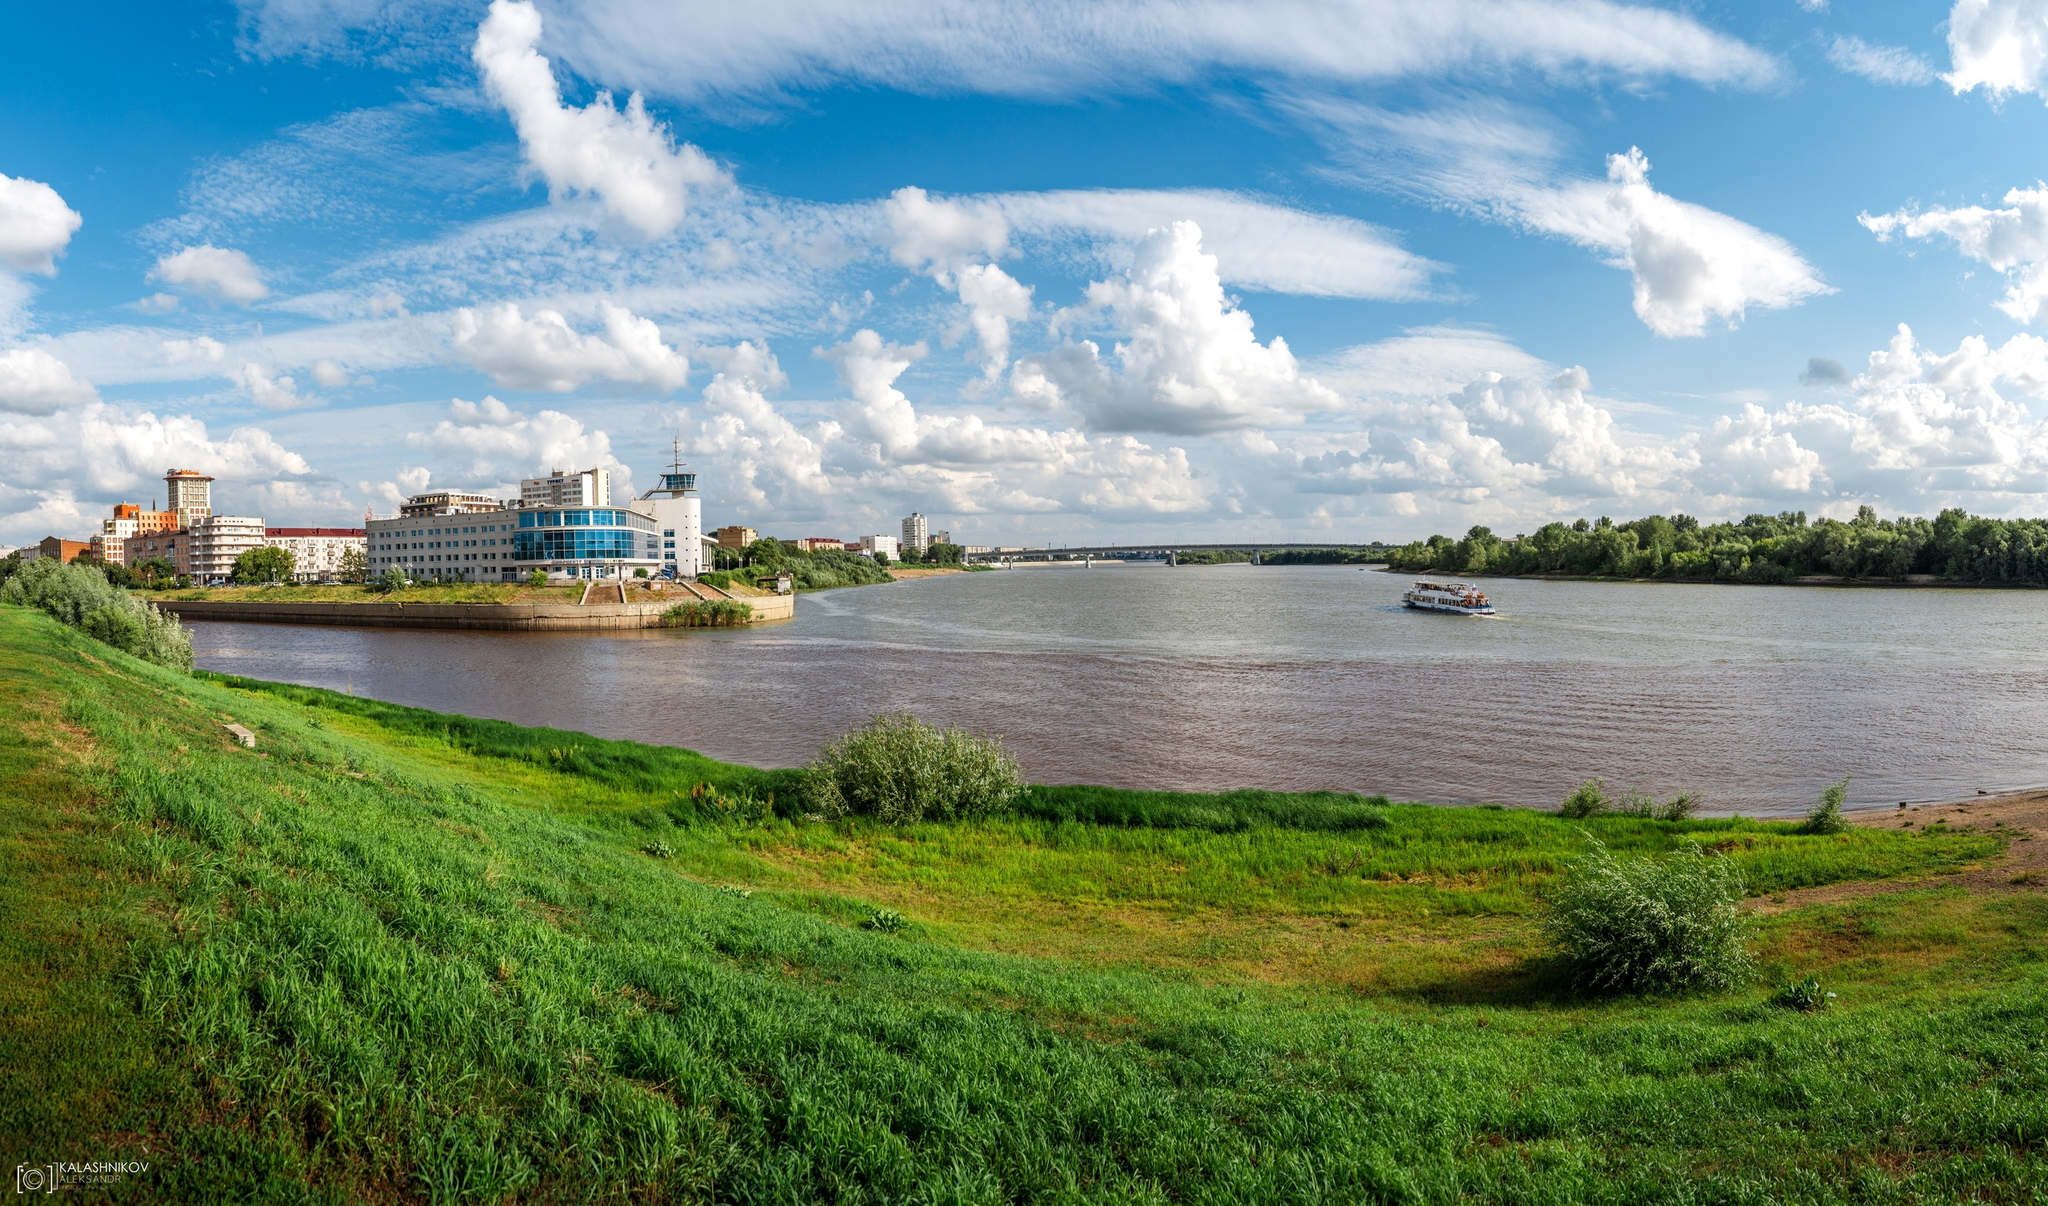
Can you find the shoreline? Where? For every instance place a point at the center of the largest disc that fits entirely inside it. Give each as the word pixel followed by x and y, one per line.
pixel 1909 582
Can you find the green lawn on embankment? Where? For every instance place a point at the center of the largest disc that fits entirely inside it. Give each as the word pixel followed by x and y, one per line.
pixel 391 955
pixel 343 592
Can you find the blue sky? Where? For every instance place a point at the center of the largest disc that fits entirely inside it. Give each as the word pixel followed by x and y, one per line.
pixel 1065 271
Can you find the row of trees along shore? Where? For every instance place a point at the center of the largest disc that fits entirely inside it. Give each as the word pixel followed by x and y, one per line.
pixel 1761 548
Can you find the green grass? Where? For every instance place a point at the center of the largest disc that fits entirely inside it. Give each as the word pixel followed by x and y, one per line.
pixel 381 958
pixel 419 592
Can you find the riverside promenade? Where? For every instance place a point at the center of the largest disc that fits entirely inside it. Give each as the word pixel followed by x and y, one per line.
pixel 603 607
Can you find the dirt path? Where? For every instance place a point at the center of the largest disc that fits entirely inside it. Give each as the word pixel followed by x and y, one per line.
pixel 2023 867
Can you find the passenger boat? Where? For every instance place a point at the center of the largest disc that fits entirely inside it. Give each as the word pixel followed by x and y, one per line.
pixel 1459 598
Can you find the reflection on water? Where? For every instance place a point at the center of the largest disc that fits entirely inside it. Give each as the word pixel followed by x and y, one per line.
pixel 1290 677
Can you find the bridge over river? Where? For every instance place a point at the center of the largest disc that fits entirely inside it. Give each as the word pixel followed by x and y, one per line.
pixel 1165 551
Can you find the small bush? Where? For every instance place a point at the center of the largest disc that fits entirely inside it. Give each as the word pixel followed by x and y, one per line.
pixel 538 577
pixel 737 893
pixel 393 578
pixel 888 921
pixel 657 849
pixel 1806 996
pixel 900 770
pixel 1654 925
pixel 1826 816
pixel 1590 800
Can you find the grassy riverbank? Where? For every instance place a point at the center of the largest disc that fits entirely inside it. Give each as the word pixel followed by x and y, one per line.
pixel 393 955
pixel 418 592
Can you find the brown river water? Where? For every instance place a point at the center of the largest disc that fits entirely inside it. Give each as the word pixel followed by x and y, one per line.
pixel 1298 677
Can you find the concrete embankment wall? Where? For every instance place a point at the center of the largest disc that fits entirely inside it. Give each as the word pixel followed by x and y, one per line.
pixel 514 617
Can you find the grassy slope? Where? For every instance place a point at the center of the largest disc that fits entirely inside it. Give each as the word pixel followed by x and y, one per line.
pixel 391 960
pixel 424 592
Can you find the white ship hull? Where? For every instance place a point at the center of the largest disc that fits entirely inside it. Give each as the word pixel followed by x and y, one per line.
pixel 1454 598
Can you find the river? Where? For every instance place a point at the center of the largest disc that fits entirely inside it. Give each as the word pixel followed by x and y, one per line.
pixel 1295 677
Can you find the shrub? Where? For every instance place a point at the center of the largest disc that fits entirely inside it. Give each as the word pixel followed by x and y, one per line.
pixel 715 613
pixel 1806 996
pixel 1826 816
pixel 80 596
pixel 657 849
pixel 900 770
pixel 888 921
pixel 1590 800
pixel 1652 925
pixel 538 577
pixel 393 578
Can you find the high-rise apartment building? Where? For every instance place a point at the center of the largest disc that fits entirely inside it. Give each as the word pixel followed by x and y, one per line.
pixel 188 495
pixel 915 535
pixel 587 488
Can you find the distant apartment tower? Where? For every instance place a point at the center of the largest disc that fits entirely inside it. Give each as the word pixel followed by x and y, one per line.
pixel 915 535
pixel 679 516
pixel 588 488
pixel 737 537
pixel 942 537
pixel 188 495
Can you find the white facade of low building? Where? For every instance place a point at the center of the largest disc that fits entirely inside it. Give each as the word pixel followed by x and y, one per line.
pixel 453 545
pixel 213 543
pixel 317 552
pixel 888 545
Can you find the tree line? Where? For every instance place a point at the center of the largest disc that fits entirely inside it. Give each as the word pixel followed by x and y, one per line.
pixel 1954 545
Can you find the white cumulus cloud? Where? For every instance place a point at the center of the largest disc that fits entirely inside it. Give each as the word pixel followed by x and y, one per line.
pixel 62 472
pixel 35 225
pixel 486 445
pixel 214 271
pixel 625 158
pixel 2013 240
pixel 1920 430
pixel 2000 46
pixel 545 352
pixel 956 242
pixel 33 382
pixel 1187 360
pixel 1692 266
pixel 270 390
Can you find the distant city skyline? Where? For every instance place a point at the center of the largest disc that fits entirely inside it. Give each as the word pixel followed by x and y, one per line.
pixel 1358 271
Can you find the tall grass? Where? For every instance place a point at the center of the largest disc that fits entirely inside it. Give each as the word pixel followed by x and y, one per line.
pixel 711 613
pixel 1224 812
pixel 375 975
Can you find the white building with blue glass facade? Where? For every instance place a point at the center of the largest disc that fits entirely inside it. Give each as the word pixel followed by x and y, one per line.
pixel 451 537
